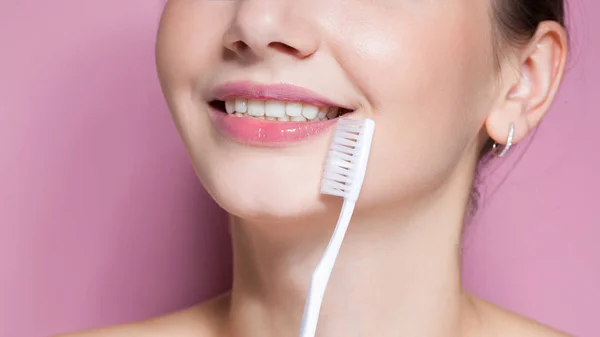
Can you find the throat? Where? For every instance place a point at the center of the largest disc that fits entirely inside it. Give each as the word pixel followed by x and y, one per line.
pixel 383 284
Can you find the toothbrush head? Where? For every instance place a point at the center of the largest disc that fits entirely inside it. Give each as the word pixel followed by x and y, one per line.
pixel 346 162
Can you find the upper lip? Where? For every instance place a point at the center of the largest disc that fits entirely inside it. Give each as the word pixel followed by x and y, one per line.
pixel 278 92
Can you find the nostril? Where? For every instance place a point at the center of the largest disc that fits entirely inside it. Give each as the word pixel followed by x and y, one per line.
pixel 284 48
pixel 240 46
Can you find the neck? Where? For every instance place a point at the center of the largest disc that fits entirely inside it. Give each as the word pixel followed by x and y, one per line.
pixel 396 275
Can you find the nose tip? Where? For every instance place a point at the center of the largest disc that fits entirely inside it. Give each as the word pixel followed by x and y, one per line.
pixel 260 29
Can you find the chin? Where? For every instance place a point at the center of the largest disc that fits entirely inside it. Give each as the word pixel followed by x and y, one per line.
pixel 269 206
pixel 255 188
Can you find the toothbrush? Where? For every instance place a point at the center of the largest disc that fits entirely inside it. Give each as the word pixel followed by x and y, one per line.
pixel 343 176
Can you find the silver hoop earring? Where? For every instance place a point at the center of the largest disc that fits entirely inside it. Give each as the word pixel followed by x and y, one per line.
pixel 511 135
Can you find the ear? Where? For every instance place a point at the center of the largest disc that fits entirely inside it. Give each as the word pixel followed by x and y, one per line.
pixel 530 80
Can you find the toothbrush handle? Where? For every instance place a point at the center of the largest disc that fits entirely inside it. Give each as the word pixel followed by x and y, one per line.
pixel 320 277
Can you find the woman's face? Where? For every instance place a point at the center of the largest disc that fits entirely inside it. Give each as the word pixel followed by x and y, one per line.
pixel 422 69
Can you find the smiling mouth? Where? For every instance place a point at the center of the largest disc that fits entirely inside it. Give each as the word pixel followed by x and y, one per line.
pixel 275 110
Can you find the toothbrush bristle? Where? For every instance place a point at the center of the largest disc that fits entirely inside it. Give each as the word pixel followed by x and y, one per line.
pixel 344 158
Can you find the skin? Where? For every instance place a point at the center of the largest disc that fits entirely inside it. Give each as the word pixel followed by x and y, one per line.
pixel 426 72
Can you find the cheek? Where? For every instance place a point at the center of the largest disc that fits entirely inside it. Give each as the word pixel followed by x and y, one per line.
pixel 185 50
pixel 427 87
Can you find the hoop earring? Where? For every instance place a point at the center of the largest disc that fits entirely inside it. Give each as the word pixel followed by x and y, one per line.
pixel 511 135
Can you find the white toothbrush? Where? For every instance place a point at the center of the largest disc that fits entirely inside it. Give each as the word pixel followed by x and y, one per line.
pixel 343 176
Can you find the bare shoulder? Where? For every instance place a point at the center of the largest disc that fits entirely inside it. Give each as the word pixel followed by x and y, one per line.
pixel 203 320
pixel 501 322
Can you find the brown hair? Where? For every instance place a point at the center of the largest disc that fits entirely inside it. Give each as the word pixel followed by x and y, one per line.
pixel 517 20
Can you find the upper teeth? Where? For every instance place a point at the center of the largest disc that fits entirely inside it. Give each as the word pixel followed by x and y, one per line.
pixel 279 110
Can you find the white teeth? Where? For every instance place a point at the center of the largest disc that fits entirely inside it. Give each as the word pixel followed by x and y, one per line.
pixel 293 109
pixel 275 108
pixel 230 106
pixel 310 111
pixel 256 108
pixel 322 115
pixel 241 105
pixel 279 110
pixel 298 119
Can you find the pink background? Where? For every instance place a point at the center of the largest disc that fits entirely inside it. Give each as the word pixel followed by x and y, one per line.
pixel 102 220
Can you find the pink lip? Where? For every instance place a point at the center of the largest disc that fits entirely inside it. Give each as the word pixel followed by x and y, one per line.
pixel 258 132
pixel 279 92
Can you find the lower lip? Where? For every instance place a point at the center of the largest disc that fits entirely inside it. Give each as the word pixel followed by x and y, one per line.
pixel 259 132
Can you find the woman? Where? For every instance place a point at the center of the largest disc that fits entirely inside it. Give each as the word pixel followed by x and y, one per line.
pixel 251 85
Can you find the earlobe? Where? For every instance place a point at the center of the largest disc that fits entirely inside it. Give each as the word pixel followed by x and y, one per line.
pixel 500 151
pixel 508 125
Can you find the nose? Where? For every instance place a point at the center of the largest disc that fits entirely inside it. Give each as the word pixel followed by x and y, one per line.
pixel 262 28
